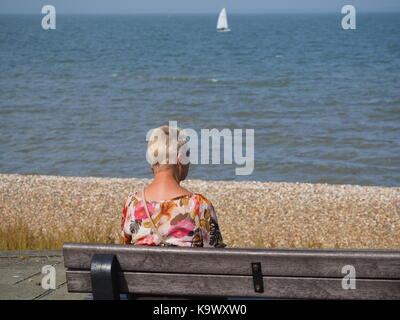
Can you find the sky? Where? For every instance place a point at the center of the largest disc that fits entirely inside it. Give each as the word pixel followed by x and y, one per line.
pixel 192 6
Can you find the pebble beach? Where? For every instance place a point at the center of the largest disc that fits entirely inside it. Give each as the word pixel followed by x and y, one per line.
pixel 250 214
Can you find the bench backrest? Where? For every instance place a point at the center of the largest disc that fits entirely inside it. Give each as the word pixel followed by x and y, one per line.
pixel 236 272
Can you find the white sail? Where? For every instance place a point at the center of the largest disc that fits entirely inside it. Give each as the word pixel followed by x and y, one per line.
pixel 222 20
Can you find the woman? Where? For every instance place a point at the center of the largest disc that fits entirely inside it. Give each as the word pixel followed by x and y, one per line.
pixel 164 213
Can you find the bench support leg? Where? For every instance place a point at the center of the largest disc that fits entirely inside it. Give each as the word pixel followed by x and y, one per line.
pixel 103 273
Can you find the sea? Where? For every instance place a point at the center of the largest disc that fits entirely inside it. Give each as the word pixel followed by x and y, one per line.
pixel 324 102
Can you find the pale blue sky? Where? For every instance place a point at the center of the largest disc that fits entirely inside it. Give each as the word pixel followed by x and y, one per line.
pixel 199 6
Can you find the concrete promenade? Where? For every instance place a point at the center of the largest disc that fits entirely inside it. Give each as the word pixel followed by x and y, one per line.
pixel 21 276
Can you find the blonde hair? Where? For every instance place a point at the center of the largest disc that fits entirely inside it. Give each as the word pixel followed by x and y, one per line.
pixel 164 145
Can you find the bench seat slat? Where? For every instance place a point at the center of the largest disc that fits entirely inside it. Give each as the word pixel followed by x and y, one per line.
pixel 371 264
pixel 240 286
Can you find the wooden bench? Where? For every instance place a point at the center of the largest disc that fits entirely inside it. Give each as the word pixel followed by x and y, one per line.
pixel 109 269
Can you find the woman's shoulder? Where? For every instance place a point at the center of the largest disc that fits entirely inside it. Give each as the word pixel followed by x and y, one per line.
pixel 131 198
pixel 201 198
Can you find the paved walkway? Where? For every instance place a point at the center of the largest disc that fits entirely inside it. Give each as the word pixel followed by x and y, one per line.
pixel 21 276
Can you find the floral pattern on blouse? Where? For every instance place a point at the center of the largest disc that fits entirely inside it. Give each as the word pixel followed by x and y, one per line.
pixel 188 221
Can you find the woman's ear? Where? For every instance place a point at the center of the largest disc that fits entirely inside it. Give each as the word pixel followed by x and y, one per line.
pixel 186 158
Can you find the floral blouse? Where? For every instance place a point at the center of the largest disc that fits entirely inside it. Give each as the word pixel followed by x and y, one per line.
pixel 188 221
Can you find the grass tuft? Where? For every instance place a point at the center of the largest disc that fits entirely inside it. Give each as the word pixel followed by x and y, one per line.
pixel 18 236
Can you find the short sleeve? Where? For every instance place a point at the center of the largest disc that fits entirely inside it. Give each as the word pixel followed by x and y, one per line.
pixel 210 230
pixel 126 238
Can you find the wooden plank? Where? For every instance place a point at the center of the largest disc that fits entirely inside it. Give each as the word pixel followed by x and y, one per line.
pixel 240 286
pixel 378 264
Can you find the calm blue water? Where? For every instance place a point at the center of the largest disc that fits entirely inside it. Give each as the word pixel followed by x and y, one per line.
pixel 324 102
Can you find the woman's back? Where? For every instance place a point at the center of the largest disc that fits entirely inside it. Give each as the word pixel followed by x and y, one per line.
pixel 187 220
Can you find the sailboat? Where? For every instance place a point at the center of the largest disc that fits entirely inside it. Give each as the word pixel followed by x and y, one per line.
pixel 222 24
